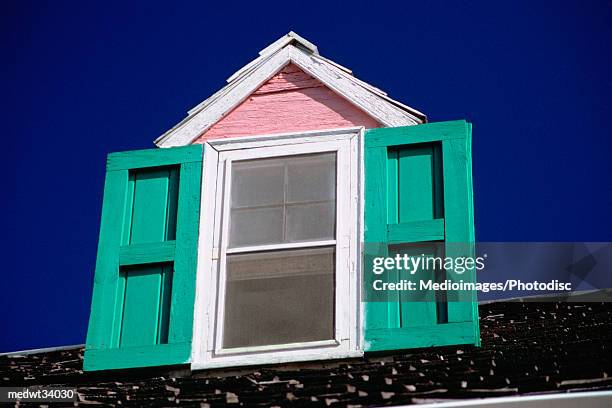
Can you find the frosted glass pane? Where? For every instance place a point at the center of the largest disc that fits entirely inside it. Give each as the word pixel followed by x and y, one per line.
pixel 286 199
pixel 279 297
pixel 311 221
pixel 257 182
pixel 312 178
pixel 256 226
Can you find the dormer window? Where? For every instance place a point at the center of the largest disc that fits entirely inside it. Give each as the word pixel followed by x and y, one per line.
pixel 248 237
pixel 284 264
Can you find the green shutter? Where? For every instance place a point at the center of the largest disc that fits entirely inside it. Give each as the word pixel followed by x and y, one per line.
pixel 418 191
pixel 144 286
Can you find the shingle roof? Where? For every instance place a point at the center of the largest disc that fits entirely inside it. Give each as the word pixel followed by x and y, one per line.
pixel 526 348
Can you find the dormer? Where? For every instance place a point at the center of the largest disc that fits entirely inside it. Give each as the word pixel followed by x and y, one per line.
pixel 255 233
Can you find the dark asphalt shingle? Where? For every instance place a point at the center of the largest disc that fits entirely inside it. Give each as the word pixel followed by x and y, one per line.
pixel 526 348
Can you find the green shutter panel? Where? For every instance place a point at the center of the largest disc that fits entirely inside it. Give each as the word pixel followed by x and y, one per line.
pixel 418 191
pixel 144 285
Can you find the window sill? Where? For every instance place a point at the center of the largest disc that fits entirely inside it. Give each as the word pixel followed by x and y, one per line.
pixel 275 358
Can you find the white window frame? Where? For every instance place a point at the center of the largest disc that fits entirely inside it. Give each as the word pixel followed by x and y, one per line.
pixel 212 247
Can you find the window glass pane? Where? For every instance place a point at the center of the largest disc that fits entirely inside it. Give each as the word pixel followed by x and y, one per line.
pixel 257 182
pixel 279 297
pixel 256 226
pixel 279 200
pixel 309 222
pixel 311 178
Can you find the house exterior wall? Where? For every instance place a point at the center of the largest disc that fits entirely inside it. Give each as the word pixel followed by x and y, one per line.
pixel 291 101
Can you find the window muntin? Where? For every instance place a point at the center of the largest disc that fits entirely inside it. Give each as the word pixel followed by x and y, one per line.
pixel 282 200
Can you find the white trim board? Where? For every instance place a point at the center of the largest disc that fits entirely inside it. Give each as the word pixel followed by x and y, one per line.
pixel 289 49
pixel 212 247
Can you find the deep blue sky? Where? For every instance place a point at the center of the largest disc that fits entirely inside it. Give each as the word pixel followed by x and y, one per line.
pixel 79 81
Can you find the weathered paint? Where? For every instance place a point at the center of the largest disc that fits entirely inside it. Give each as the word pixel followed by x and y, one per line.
pixel 144 286
pixel 291 101
pixel 397 160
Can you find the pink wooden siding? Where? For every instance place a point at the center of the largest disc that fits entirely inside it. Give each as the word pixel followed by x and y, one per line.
pixel 290 101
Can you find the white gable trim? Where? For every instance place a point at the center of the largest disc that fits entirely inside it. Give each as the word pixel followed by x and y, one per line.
pixel 286 40
pixel 241 85
pixel 344 85
pixel 223 101
pixel 274 47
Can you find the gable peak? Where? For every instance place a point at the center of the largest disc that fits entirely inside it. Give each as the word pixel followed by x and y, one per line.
pixel 289 49
pixel 289 39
